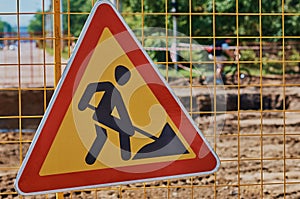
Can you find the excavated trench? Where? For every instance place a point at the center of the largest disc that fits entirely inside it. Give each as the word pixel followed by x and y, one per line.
pixel 230 100
pixel 33 102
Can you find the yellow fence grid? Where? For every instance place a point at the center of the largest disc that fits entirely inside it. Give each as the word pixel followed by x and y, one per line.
pixel 251 119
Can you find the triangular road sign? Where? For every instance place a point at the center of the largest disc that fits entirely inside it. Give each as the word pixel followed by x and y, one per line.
pixel 112 119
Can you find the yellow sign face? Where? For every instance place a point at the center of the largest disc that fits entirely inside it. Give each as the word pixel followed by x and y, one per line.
pixel 82 136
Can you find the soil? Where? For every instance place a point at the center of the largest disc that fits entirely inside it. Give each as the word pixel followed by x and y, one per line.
pixel 259 152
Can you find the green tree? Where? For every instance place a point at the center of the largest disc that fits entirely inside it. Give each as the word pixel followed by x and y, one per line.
pixel 194 17
pixel 201 20
pixel 35 26
pixel 217 18
pixel 75 21
pixel 4 27
pixel 148 19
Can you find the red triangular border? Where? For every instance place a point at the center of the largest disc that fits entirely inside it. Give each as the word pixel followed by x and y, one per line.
pixel 30 182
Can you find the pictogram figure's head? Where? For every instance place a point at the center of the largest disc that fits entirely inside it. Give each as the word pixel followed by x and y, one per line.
pixel 122 75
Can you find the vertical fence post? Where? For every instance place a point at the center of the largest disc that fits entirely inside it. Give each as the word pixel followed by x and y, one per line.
pixel 57 41
pixel 57 52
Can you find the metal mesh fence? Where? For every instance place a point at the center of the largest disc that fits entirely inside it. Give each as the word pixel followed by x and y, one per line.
pixel 253 124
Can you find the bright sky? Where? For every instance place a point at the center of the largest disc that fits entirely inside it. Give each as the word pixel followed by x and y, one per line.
pixel 8 9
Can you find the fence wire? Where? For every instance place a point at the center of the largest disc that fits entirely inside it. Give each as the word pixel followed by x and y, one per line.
pixel 253 127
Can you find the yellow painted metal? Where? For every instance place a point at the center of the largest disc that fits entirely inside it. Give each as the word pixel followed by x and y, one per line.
pixel 57 40
pixel 59 196
pixel 232 183
pixel 57 50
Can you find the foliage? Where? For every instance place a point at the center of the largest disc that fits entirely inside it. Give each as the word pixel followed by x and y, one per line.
pixel 254 20
pixel 35 26
pixel 202 18
pixel 75 21
pixel 250 55
pixel 293 66
pixel 4 27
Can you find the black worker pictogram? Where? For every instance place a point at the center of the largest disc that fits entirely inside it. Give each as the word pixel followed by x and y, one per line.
pixel 166 144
